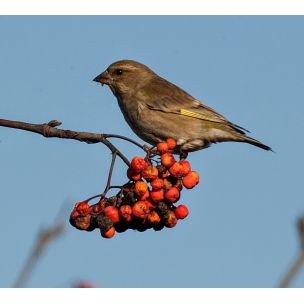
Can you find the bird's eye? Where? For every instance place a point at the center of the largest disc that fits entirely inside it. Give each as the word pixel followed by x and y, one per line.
pixel 118 72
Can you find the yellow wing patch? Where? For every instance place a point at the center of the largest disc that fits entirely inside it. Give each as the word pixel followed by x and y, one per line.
pixel 196 115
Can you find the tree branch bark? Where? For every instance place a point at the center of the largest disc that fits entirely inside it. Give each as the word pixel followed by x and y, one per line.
pixel 50 130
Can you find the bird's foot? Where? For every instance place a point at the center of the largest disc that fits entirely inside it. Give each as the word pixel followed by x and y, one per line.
pixel 183 155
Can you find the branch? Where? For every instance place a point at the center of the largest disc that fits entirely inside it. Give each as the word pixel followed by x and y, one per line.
pixel 294 269
pixel 50 130
pixel 44 238
pixel 299 262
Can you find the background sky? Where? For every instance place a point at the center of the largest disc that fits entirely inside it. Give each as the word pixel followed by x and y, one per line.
pixel 241 231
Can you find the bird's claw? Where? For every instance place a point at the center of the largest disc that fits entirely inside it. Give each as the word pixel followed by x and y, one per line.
pixel 183 155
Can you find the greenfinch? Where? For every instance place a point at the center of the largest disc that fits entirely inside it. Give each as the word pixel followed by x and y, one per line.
pixel 156 110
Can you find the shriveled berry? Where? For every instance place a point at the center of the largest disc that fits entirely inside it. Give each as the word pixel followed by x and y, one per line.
pixel 169 182
pixel 112 213
pixel 127 188
pixel 150 172
pixel 162 171
pixel 172 195
pixel 171 143
pixel 162 208
pixel 153 217
pixel 99 207
pixel 191 179
pixel 81 222
pixel 170 219
pixel 167 160
pixel 162 147
pixel 159 226
pixel 103 222
pixel 181 212
pixel 138 164
pixel 140 188
pixel 122 226
pixel 179 184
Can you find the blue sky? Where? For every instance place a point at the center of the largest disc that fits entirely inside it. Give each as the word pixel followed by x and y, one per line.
pixel 241 231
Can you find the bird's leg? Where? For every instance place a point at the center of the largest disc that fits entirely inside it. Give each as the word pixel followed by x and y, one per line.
pixel 182 155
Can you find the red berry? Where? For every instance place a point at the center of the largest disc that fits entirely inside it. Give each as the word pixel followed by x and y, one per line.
pixel 167 160
pixel 181 212
pixel 157 195
pixel 85 285
pixel 125 212
pixel 176 169
pixel 135 176
pixel 171 143
pixel 186 166
pixel 74 214
pixel 140 188
pixel 138 164
pixel 108 234
pixel 150 205
pixel 140 209
pixel 150 172
pixel 144 196
pixel 172 195
pixel 157 184
pixel 112 213
pixel 191 180
pixel 162 147
pixel 83 208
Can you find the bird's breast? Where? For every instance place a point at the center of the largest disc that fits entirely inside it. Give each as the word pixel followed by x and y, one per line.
pixel 140 119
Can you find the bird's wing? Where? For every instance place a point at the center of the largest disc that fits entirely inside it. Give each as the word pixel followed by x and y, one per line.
pixel 172 99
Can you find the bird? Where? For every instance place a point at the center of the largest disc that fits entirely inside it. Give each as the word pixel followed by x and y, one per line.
pixel 157 109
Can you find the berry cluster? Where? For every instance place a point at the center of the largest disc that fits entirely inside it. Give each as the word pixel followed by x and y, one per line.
pixel 146 201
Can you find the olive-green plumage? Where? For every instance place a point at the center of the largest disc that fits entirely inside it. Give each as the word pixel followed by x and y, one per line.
pixel 156 109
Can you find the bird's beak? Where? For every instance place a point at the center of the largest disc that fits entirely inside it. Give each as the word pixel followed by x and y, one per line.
pixel 103 78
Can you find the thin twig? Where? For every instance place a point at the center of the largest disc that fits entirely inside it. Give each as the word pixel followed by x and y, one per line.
pixel 296 266
pixel 44 238
pixel 110 174
pixel 126 139
pixel 299 262
pixel 50 130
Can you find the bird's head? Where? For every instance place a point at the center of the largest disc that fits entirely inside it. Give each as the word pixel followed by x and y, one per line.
pixel 125 76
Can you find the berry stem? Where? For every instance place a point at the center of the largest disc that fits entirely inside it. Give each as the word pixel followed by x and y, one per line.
pixel 126 139
pixel 110 173
pixel 95 196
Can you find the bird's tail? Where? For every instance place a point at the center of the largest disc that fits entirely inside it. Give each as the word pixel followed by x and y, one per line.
pixel 256 143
